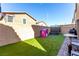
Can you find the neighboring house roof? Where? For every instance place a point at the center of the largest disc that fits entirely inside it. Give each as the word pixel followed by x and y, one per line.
pixel 41 22
pixel 16 13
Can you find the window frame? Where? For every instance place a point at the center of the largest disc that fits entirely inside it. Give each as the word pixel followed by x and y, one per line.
pixel 9 19
pixel 24 21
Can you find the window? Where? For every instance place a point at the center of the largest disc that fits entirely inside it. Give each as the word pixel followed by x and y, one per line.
pixel 24 21
pixel 10 18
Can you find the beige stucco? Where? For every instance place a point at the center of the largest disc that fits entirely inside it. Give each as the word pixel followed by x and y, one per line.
pixel 77 18
pixel 12 32
pixel 24 31
pixel 41 23
pixel 77 12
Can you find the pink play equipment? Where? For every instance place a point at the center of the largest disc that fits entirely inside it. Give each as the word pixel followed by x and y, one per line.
pixel 44 33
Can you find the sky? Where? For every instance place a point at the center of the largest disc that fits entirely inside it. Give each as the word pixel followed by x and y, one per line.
pixel 51 13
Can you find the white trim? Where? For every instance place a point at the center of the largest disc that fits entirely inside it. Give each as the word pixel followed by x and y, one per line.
pixel 70 35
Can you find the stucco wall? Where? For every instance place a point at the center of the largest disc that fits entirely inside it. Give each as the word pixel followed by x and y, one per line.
pixel 77 19
pixel 24 31
pixel 77 12
pixel 12 32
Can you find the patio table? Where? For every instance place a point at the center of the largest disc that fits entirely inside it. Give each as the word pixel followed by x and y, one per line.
pixel 70 35
pixel 67 36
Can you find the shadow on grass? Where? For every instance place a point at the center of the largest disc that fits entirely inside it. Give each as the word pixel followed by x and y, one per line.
pixel 21 49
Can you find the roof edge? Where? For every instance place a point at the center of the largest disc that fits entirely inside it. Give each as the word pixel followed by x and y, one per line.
pixel 19 13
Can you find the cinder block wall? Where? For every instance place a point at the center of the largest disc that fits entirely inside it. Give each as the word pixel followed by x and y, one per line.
pixel 7 35
pixel 37 29
pixel 66 28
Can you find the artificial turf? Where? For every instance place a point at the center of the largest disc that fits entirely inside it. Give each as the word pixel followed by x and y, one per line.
pixel 48 46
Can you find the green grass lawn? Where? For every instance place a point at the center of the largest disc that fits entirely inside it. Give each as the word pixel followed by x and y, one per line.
pixel 34 47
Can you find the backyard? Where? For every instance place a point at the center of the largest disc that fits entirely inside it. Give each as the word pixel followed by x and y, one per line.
pixel 34 47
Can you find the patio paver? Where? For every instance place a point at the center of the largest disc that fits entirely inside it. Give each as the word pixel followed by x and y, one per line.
pixel 64 49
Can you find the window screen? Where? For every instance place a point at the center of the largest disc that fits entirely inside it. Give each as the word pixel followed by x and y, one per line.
pixel 24 21
pixel 10 18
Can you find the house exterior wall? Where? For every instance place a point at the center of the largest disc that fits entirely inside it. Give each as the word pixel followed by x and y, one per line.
pixel 66 28
pixel 77 12
pixel 12 32
pixel 42 24
pixel 77 18
pixel 24 31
